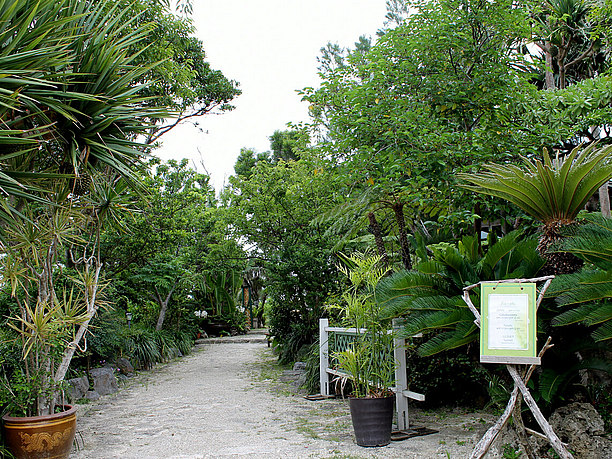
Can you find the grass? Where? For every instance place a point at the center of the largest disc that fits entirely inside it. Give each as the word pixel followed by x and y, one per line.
pixel 307 428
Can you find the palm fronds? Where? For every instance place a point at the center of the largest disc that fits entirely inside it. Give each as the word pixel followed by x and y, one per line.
pixel 586 297
pixel 429 299
pixel 70 94
pixel 552 190
pixel 593 242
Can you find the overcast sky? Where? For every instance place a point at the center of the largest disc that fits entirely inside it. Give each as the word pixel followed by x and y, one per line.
pixel 271 48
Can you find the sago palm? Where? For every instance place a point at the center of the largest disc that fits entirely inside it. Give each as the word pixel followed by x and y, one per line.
pixel 586 297
pixel 429 298
pixel 553 191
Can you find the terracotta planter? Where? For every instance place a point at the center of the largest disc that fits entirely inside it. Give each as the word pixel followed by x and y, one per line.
pixel 38 437
pixel 372 420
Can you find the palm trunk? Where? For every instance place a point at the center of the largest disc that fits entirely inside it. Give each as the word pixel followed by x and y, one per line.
pixel 380 243
pixel 556 262
pixel 604 200
pixel 478 227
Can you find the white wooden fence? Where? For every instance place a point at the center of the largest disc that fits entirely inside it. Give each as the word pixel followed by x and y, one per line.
pixel 402 394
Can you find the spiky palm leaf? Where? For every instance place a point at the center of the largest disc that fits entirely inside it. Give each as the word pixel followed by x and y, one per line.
pixel 592 242
pixel 587 296
pixel 429 300
pixel 69 92
pixel 552 191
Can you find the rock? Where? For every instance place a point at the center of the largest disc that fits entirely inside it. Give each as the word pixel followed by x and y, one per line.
pixel 298 383
pixel 299 366
pixel 581 426
pixel 77 388
pixel 290 375
pixel 124 365
pixel 104 381
pixel 92 395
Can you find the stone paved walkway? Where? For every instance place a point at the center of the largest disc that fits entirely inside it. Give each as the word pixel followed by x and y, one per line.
pixel 224 400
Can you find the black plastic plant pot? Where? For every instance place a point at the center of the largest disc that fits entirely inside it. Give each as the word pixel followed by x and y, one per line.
pixel 372 420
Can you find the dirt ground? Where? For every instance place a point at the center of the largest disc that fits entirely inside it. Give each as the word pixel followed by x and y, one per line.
pixel 225 400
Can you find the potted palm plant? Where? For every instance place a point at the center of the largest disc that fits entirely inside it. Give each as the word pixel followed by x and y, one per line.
pixel 368 361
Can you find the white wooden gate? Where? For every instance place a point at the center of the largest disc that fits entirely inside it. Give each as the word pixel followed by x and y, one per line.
pixel 402 394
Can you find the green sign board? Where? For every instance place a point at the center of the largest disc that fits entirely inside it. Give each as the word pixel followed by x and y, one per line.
pixel 508 323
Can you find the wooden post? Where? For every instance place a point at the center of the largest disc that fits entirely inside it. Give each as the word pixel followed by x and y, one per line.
pixel 531 403
pixel 324 356
pixel 401 381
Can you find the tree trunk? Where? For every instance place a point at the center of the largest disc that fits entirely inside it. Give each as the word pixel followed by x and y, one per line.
pixel 378 238
pixel 163 306
pixel 91 293
pixel 550 77
pixel 398 209
pixel 604 200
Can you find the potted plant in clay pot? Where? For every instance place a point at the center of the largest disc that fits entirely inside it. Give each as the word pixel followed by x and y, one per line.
pixel 67 139
pixel 368 361
pixel 52 307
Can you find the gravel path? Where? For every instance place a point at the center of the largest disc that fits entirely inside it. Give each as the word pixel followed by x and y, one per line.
pixel 225 400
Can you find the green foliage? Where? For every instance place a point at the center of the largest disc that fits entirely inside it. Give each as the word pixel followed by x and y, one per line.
pixel 87 95
pixel 509 452
pixel 145 346
pixel 286 145
pixel 273 210
pixel 183 81
pixel 586 297
pixel 174 251
pixel 142 347
pixel 107 336
pixel 553 191
pixel 429 299
pixel 566 117
pixel 426 101
pixel 452 378
pixel 312 360
pixel 368 361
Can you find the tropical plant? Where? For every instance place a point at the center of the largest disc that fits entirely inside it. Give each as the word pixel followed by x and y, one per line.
pixel 586 297
pixel 52 317
pixel 222 290
pixel 84 105
pixel 552 191
pixel 429 298
pixel 368 361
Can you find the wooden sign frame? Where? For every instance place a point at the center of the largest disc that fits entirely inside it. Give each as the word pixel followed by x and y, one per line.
pixel 520 392
pixel 508 329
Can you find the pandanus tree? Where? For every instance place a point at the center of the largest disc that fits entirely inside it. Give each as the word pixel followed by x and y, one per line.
pixel 552 191
pixel 70 114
